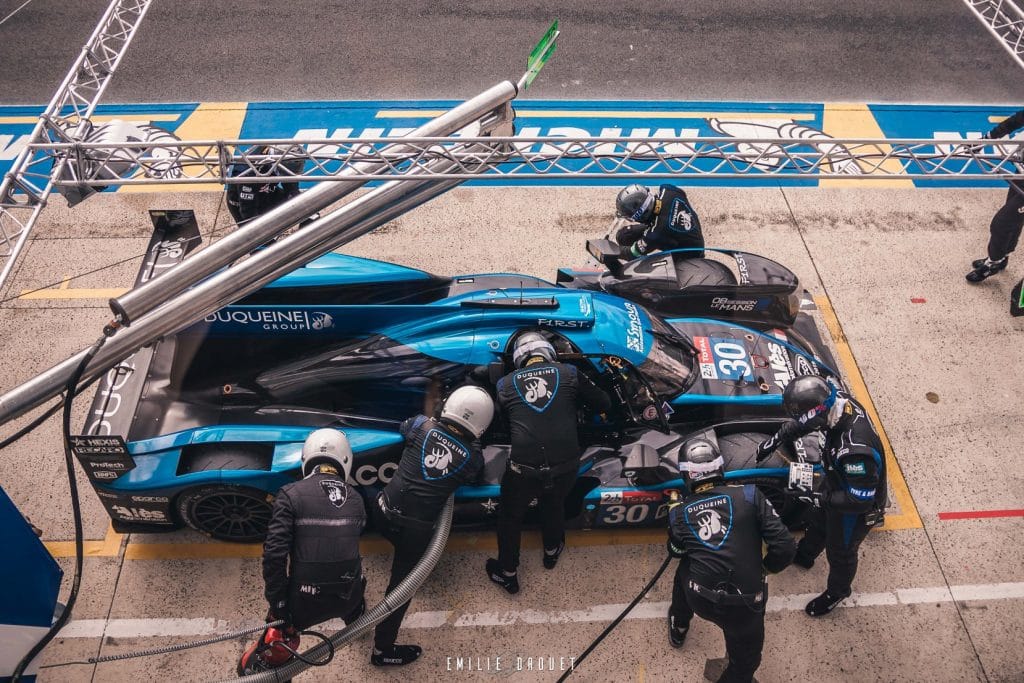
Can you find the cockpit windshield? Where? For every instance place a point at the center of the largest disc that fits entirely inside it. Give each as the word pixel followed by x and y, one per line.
pixel 669 364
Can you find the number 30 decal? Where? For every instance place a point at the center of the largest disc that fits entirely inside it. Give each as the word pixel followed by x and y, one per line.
pixel 732 360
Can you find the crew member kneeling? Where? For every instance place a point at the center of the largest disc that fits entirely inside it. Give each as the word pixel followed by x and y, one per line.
pixel 439 457
pixel 716 531
pixel 666 221
pixel 311 563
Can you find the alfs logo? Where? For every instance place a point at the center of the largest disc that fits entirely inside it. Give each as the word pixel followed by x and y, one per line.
pixel 442 456
pixel 335 491
pixel 710 520
pixel 538 387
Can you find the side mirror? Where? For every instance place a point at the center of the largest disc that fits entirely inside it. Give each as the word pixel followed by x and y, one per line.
pixel 607 253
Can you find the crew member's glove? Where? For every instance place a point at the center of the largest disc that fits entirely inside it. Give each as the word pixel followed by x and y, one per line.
pixel 629 234
pixel 814 499
pixel 279 611
pixel 765 449
pixel 674 550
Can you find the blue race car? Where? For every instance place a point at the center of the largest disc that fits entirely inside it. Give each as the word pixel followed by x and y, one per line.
pixel 215 416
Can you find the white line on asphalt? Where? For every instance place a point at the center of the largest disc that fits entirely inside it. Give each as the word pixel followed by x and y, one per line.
pixel 155 628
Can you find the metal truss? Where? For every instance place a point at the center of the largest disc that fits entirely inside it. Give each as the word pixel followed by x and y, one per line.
pixel 1005 20
pixel 530 158
pixel 26 186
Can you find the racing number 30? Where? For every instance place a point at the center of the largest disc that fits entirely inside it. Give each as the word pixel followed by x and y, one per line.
pixel 631 514
pixel 732 360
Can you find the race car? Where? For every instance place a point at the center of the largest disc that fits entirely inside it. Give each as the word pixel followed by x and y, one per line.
pixel 213 418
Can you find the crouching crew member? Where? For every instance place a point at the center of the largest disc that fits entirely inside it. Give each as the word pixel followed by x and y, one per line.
pixel 540 401
pixel 666 221
pixel 716 531
pixel 311 563
pixel 439 456
pixel 853 494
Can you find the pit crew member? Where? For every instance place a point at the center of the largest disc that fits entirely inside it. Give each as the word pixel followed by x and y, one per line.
pixel 540 401
pixel 663 221
pixel 716 531
pixel 852 495
pixel 439 456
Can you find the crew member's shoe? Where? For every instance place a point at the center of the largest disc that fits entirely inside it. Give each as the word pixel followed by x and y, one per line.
pixel 676 634
pixel 396 655
pixel 509 582
pixel 551 556
pixel 823 604
pixel 984 268
pixel 801 561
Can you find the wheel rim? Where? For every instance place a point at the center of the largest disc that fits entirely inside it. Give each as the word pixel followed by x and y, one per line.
pixel 227 514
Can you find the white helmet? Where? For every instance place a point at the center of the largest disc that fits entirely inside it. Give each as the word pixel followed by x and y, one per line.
pixel 471 408
pixel 327 447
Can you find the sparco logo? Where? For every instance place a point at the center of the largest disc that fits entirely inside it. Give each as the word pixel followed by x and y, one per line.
pixel 273 319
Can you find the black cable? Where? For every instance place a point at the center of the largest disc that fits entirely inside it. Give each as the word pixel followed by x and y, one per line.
pixel 32 425
pixel 311 662
pixel 618 619
pixel 76 509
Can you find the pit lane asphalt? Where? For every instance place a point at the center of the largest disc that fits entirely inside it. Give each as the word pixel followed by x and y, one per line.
pixel 871 252
pixel 786 50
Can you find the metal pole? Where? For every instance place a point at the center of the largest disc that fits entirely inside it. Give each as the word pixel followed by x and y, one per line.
pixel 360 216
pixel 141 300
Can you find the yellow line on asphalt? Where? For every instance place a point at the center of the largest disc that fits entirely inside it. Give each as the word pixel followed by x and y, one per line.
pixel 110 546
pixel 374 545
pixel 63 291
pixel 907 518
pixel 603 114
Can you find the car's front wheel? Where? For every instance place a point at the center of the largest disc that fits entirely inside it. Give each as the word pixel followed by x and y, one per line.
pixel 227 513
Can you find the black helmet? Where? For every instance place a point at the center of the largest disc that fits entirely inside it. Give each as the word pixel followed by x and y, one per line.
pixel 701 462
pixel 532 344
pixel 808 394
pixel 636 203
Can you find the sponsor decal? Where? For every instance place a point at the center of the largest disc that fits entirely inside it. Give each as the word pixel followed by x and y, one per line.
pixel 862 493
pixel 585 308
pixel 441 455
pixel 274 320
pixel 149 499
pixel 138 514
pixel 650 413
pixel 367 475
pixel 723 303
pixel 641 496
pixel 335 491
pixel 741 266
pixel 103 457
pixel 569 324
pixel 782 368
pixel 805 367
pixel 489 506
pixel 635 331
pixel 611 497
pixel 855 468
pixel 680 218
pixel 537 388
pixel 705 358
pixel 710 520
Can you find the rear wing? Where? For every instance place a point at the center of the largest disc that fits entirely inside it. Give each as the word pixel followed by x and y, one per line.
pixel 175 235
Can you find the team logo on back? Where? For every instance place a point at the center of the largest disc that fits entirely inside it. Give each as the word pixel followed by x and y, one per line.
pixel 537 387
pixel 442 456
pixel 335 491
pixel 710 520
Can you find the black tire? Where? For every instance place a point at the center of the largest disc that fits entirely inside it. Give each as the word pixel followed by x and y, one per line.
pixel 694 272
pixel 238 514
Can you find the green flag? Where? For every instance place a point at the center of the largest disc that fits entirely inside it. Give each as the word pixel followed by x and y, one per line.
pixel 540 55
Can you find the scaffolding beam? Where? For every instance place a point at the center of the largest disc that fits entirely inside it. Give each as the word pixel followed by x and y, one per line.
pixel 531 158
pixel 1004 19
pixel 27 184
